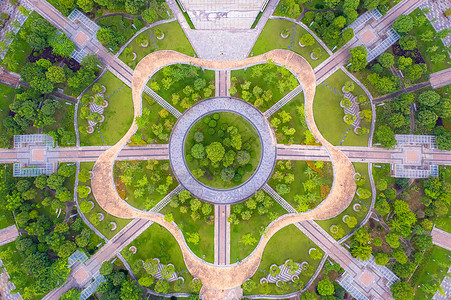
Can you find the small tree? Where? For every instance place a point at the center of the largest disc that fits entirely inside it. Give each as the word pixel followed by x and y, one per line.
pixel 403 24
pixel 307 40
pixel 106 268
pixel 325 287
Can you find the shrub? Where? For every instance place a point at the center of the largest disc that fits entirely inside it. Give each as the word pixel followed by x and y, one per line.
pixel 199 137
pixel 349 86
pixel 274 271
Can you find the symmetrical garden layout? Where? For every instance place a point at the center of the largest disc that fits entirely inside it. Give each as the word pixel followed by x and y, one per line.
pixel 222 158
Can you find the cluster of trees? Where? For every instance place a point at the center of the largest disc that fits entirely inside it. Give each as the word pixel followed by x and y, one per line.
pixel 195 86
pixel 260 203
pixel 145 178
pixel 278 78
pixel 281 125
pixel 37 261
pixel 329 25
pixel 195 208
pixel 133 7
pixel 156 132
pixel 157 10
pixel 396 119
pixel 117 286
pixel 289 8
pixel 219 151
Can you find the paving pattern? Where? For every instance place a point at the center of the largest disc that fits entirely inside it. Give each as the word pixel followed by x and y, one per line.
pixel 177 149
pixel 437 16
pixel 441 238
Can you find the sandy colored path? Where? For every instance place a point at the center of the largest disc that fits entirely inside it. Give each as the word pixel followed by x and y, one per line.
pixel 222 278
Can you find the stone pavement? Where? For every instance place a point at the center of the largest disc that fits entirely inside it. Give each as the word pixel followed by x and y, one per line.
pixel 437 16
pixel 7 286
pixel 441 78
pixel 177 150
pixel 446 286
pixel 8 234
pixel 222 235
pixel 441 238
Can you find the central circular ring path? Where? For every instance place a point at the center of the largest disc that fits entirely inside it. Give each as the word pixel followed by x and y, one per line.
pixel 255 182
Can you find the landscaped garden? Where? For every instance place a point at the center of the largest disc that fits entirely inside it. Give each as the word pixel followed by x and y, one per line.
pixel 169 36
pixel 222 150
pixel 282 34
pixel 142 184
pixel 183 85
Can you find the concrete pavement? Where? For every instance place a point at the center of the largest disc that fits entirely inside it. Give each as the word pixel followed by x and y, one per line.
pixel 8 234
pixel 441 238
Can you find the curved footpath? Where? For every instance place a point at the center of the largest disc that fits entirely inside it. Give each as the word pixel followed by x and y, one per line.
pixel 218 279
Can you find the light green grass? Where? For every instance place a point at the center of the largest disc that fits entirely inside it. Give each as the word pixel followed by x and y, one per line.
pixel 254 226
pixel 287 243
pixel 329 115
pixel 174 39
pixel 361 168
pixel 157 242
pixel 270 39
pixel 118 114
pixel 103 226
pixel 203 225
pixel 248 135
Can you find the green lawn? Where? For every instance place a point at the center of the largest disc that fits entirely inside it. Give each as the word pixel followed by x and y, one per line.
pixel 270 39
pixel 157 242
pixel 174 39
pixel 361 168
pixel 183 100
pixel 250 143
pixel 103 226
pixel 204 225
pixel 287 243
pixel 329 115
pixel 297 187
pixel 434 269
pixel 297 122
pixel 423 46
pixel 145 196
pixel 118 114
pixel 273 82
pixel 255 226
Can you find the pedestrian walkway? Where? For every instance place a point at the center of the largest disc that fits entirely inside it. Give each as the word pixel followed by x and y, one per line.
pixel 8 235
pixel 279 104
pixel 441 238
pixel 436 15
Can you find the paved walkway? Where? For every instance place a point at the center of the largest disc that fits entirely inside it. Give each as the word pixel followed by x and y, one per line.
pixel 8 234
pixel 441 238
pixel 222 235
pixel 437 16
pixel 177 153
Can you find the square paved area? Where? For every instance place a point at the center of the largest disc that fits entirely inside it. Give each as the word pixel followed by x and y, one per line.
pixel 368 36
pixel 412 156
pixel 38 154
pixel 366 278
pixel 81 275
pixel 80 38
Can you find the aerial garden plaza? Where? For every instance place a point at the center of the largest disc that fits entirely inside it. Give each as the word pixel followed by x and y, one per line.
pixel 258 149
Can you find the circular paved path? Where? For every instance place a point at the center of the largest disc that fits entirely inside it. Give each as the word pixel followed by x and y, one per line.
pixel 219 278
pixel 261 174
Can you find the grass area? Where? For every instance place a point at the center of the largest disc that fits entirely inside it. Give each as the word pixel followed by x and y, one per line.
pixel 329 115
pixel 203 225
pixel 262 85
pixel 118 114
pixel 157 242
pixel 287 243
pixel 362 169
pixel 432 272
pixel 423 46
pixel 297 188
pixel 220 133
pixel 9 94
pixel 64 118
pixel 142 184
pixel 254 226
pixel 103 226
pixel 174 39
pixel 6 219
pixel 19 50
pixel 182 92
pixel 270 39
pixel 297 122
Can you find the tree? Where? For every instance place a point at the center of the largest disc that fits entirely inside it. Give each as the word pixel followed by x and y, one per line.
pixel 130 290
pixel 414 72
pixel 386 60
pixel 408 42
pixel 150 15
pixel 106 268
pixel 325 287
pixel 400 256
pixel 427 118
pixel 71 295
pixel 82 78
pixel 403 24
pixel 422 242
pixel 370 4
pixel 198 151
pixel 227 174
pixel 62 45
pixel 363 193
pixel 85 5
pixel 358 58
pixel 134 6
pixel 282 189
pixel 402 291
pixel 248 239
pixel 83 191
pixel 351 221
pixel 309 296
pixel 381 258
pixel 242 157
pixel 307 39
pixel 40 30
pixel 429 98
pixel 66 249
pixel 392 239
pixel 316 254
pixel 381 185
pixel 360 251
pixel 386 136
pixel 162 286
pixel 56 74
pixel 215 152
